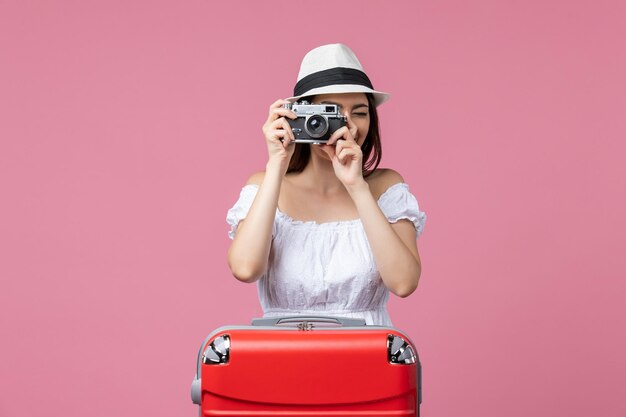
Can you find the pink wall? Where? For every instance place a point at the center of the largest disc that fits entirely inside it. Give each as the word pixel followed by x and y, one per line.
pixel 127 129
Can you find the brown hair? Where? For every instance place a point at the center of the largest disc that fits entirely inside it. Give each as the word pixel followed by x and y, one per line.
pixel 371 147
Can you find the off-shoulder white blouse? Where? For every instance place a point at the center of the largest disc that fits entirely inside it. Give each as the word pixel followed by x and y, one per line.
pixel 326 268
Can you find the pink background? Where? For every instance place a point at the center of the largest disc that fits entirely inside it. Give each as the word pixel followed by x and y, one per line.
pixel 128 128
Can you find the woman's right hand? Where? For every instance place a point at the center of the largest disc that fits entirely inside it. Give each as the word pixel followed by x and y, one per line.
pixel 278 135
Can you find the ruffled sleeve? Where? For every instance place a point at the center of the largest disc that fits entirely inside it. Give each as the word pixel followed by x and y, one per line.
pixel 398 203
pixel 239 211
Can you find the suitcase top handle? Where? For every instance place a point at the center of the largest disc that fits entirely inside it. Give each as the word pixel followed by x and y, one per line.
pixel 275 321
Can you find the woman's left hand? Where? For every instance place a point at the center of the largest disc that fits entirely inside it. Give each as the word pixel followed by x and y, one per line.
pixel 346 155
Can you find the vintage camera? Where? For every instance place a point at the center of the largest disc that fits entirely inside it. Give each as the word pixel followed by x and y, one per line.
pixel 316 122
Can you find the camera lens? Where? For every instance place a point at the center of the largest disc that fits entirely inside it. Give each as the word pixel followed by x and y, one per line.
pixel 316 126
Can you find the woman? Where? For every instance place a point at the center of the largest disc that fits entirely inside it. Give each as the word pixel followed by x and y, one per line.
pixel 322 230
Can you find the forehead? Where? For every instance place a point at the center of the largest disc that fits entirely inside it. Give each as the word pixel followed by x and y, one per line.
pixel 343 99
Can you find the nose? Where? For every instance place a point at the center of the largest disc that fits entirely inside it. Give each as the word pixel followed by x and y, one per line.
pixel 349 121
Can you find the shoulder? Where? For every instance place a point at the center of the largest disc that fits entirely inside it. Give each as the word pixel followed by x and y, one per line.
pixel 256 178
pixel 381 179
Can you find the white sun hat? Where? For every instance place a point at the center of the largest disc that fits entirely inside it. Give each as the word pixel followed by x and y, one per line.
pixel 331 69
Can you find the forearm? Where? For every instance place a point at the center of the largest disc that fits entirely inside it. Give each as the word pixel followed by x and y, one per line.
pixel 399 268
pixel 249 252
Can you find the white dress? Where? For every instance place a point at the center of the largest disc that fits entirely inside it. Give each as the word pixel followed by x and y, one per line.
pixel 326 268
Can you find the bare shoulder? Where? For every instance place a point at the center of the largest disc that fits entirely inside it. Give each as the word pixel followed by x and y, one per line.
pixel 381 179
pixel 256 178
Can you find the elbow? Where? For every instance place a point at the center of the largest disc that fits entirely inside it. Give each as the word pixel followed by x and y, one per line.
pixel 405 290
pixel 408 285
pixel 245 275
pixel 243 268
pixel 245 272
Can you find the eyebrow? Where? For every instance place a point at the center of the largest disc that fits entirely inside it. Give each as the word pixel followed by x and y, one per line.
pixel 356 106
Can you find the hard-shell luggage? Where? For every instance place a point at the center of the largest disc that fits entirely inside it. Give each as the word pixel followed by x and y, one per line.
pixel 307 366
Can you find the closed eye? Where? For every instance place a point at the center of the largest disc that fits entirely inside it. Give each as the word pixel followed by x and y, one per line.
pixel 360 114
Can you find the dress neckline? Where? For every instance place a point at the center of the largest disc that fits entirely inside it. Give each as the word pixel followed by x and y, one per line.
pixel 331 223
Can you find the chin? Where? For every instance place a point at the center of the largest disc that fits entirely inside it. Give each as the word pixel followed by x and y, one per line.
pixel 317 149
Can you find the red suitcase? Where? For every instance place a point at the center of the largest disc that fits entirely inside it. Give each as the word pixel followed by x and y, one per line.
pixel 307 366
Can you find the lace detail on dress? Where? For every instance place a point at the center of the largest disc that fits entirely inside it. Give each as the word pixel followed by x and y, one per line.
pixel 398 203
pixel 240 210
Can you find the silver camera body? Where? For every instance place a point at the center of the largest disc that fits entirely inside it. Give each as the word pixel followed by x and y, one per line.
pixel 316 122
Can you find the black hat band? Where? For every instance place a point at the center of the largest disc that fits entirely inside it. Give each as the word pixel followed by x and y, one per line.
pixel 331 76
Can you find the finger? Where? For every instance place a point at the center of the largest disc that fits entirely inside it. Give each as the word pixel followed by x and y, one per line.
pixel 349 134
pixel 287 127
pixel 277 106
pixel 344 144
pixel 281 111
pixel 339 146
pixel 286 141
pixel 339 133
pixel 278 125
pixel 353 148
pixel 346 154
pixel 270 125
pixel 277 122
pixel 279 134
pixel 352 127
pixel 284 124
pixel 279 103
pixel 353 131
